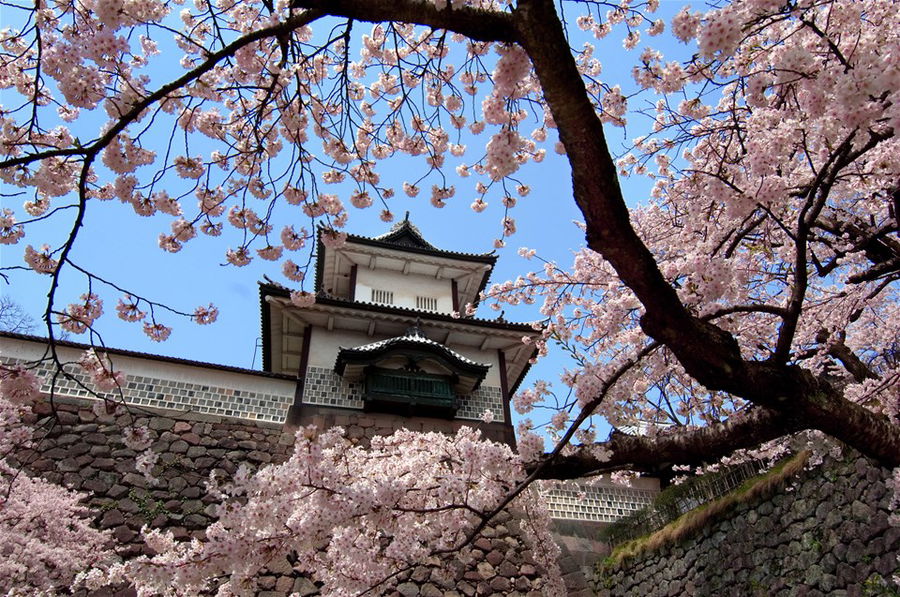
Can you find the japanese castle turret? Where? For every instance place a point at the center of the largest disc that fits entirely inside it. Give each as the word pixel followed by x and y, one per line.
pixel 382 347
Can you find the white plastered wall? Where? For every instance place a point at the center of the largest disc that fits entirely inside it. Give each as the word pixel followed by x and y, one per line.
pixel 406 287
pixel 176 386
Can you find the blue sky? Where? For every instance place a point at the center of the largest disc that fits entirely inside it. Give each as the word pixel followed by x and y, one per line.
pixel 122 247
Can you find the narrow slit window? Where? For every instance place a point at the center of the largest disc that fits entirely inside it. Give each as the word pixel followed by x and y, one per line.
pixel 384 297
pixel 426 303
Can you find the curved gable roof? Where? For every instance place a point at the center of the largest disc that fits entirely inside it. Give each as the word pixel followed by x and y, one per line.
pixel 415 341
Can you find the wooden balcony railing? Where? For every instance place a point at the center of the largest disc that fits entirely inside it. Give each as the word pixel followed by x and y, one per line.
pixel 412 389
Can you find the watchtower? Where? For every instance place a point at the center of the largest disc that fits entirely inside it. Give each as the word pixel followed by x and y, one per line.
pixel 385 345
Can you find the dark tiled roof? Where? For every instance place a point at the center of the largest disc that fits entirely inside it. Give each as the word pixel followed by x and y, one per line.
pixel 406 236
pixel 325 299
pixel 415 341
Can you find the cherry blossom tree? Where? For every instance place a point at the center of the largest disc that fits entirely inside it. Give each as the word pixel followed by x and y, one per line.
pixel 13 317
pixel 45 532
pixel 751 296
pixel 354 518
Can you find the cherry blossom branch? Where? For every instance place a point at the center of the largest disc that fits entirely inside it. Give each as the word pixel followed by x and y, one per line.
pixel 123 121
pixel 707 352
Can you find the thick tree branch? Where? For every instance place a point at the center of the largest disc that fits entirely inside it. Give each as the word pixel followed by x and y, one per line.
pixel 476 24
pixel 852 363
pixel 598 195
pixel 652 454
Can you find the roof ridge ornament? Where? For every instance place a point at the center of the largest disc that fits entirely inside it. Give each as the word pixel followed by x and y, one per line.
pixel 416 329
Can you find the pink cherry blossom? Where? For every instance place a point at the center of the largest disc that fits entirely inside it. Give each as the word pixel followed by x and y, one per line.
pixel 78 317
pixel 292 271
pixel 293 240
pixel 18 385
pixel 270 253
pixel 41 262
pixel 10 232
pixel 157 331
pixel 128 310
pixel 100 369
pixel 303 299
pixel 333 502
pixel 206 315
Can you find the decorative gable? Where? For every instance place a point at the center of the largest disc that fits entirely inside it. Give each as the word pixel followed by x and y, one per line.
pixel 410 373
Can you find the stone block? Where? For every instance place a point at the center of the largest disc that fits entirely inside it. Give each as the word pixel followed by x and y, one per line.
pixel 124 535
pixel 501 584
pixel 507 569
pixel 195 451
pixel 112 518
pixel 485 570
pixel 855 551
pixel 68 465
pixel 135 480
pixel 304 587
pixel 95 438
pixel 257 456
pixel 161 424
pixel 195 521
pixel 494 558
pixel 66 419
pixel 284 584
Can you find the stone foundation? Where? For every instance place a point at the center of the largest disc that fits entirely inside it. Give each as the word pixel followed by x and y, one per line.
pixel 84 451
pixel 827 532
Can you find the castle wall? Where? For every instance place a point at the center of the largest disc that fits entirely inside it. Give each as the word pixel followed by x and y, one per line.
pixel 827 532
pixel 601 501
pixel 167 383
pixel 84 451
pixel 364 426
pixel 324 387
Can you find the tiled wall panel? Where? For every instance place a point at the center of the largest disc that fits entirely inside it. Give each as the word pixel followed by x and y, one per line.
pixel 158 392
pixel 576 501
pixel 324 387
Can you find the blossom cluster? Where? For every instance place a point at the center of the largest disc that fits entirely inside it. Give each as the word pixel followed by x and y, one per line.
pixel 100 369
pixel 79 317
pixel 734 173
pixel 354 516
pixel 45 531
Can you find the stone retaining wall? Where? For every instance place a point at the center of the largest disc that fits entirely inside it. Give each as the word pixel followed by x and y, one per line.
pixel 364 426
pixel 827 532
pixel 84 451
